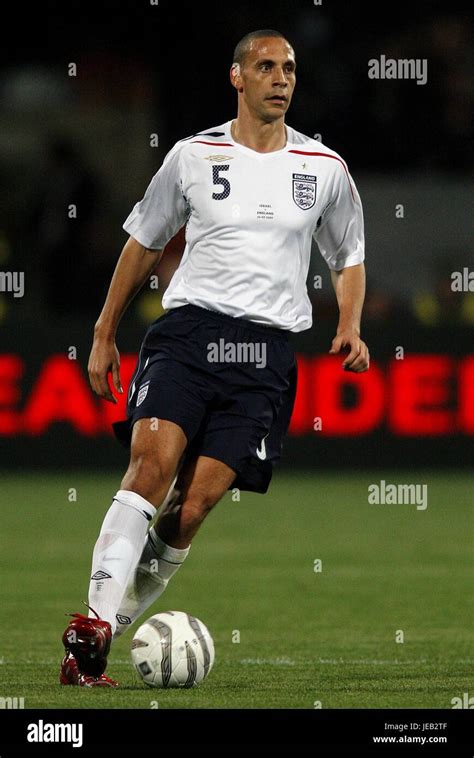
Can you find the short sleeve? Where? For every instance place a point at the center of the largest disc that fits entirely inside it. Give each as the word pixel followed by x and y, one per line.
pixel 163 209
pixel 340 229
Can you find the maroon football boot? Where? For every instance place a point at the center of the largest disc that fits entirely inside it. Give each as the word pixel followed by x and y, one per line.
pixel 87 645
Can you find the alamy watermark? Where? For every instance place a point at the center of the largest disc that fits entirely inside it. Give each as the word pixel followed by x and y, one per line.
pixel 399 68
pixel 237 352
pixel 398 494
pixel 13 281
pixel 43 731
pixel 463 702
pixel 12 702
pixel 462 281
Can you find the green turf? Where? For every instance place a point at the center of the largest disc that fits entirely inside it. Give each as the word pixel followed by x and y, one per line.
pixel 305 636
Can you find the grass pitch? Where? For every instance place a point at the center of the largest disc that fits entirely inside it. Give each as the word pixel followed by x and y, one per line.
pixel 287 634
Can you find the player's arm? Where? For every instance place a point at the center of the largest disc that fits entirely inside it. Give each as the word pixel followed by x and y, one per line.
pixel 154 220
pixel 133 268
pixel 349 286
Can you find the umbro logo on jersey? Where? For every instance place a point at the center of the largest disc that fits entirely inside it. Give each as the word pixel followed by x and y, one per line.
pixel 304 190
pixel 218 158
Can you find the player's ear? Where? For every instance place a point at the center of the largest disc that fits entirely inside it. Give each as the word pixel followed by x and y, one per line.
pixel 235 77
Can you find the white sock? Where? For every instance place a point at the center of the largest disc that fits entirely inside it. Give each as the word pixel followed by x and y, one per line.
pixel 117 551
pixel 157 564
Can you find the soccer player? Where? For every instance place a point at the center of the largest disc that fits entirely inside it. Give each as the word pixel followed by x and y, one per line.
pixel 213 389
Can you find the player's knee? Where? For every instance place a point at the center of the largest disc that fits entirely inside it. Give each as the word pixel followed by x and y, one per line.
pixel 146 475
pixel 195 508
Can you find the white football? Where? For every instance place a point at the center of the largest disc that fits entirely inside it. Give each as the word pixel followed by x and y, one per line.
pixel 172 649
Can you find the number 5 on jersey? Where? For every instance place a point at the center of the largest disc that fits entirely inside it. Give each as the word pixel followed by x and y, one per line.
pixel 220 180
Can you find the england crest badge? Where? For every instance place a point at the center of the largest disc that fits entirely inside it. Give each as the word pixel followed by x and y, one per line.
pixel 304 190
pixel 142 393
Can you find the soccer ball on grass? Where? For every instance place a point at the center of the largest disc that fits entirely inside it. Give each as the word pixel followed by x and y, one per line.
pixel 172 649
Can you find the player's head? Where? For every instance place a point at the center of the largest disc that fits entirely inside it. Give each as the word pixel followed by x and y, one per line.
pixel 264 67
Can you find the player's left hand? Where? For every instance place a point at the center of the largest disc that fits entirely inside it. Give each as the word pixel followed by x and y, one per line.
pixel 358 359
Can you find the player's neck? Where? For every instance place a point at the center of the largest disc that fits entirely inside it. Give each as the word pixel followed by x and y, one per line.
pixel 258 135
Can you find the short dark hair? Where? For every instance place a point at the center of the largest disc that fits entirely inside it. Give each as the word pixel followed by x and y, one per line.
pixel 243 47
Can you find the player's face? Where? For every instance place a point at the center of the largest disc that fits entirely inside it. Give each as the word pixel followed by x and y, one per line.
pixel 268 77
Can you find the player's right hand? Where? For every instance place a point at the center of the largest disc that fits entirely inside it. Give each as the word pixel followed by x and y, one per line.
pixel 104 360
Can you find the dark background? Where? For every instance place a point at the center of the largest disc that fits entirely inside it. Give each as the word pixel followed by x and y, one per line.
pixel 163 70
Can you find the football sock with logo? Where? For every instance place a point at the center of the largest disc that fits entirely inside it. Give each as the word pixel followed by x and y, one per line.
pixel 158 563
pixel 117 551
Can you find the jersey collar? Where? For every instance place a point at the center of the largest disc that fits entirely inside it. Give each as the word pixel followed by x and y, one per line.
pixel 249 150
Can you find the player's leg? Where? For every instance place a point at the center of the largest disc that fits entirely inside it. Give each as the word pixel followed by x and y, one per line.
pixel 155 454
pixel 158 562
pixel 201 483
pixel 156 450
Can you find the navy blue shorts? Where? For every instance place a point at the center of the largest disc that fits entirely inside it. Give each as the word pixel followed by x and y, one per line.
pixel 228 383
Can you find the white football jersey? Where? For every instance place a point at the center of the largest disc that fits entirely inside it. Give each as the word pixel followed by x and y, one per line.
pixel 249 219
